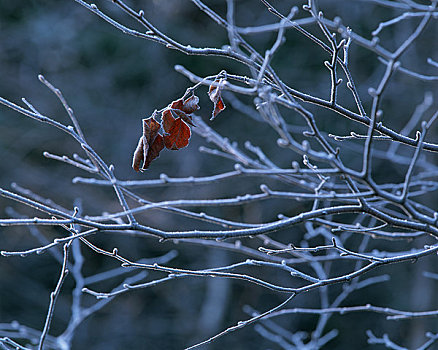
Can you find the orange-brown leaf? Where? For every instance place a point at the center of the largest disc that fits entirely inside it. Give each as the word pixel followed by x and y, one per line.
pixel 188 105
pixel 177 132
pixel 179 113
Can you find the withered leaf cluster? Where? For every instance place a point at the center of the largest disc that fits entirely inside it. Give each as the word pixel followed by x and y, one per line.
pixel 173 131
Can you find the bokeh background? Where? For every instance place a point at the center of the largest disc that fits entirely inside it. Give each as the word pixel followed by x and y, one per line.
pixel 112 81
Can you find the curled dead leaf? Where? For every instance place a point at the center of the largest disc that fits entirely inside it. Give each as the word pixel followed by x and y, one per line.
pixel 215 94
pixel 149 145
pixel 138 157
